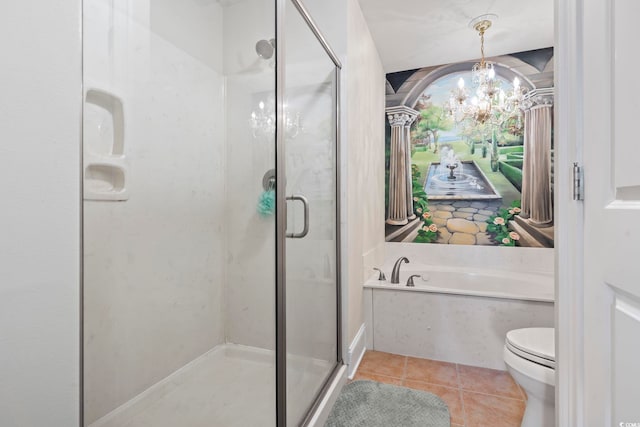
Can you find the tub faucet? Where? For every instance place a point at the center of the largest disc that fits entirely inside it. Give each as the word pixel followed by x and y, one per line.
pixel 395 273
pixel 410 280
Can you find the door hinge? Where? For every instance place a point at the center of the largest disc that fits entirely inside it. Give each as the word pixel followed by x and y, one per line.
pixel 578 189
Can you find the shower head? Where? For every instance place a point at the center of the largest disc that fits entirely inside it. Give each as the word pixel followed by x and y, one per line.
pixel 265 48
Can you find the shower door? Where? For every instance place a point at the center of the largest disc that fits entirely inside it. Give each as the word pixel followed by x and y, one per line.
pixel 308 135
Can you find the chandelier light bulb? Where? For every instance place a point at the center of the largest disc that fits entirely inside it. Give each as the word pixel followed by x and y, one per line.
pixel 261 105
pixel 461 83
pixel 516 83
pixel 492 73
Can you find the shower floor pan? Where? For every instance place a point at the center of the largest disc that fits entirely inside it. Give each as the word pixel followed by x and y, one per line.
pixel 229 386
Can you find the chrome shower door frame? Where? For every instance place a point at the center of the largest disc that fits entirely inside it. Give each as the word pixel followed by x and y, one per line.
pixel 281 220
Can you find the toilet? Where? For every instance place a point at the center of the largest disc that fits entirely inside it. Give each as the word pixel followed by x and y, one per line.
pixel 530 357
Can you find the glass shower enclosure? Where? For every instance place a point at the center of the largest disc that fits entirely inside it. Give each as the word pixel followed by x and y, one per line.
pixel 211 292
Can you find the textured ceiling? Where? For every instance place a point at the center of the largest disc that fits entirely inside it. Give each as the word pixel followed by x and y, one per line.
pixel 413 34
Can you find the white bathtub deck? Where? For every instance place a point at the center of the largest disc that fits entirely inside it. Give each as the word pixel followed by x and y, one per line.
pixel 472 282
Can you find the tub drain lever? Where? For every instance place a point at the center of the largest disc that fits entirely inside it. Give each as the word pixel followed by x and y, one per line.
pixel 410 280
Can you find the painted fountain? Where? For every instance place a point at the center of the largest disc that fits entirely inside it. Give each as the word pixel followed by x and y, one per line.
pixel 454 179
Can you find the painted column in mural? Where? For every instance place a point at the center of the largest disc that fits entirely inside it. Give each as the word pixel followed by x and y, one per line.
pixel 407 138
pixel 537 200
pixel 400 186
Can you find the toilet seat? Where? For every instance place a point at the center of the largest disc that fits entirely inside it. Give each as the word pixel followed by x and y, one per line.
pixel 534 344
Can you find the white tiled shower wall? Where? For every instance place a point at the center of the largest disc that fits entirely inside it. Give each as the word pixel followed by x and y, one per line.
pixel 250 257
pixel 154 265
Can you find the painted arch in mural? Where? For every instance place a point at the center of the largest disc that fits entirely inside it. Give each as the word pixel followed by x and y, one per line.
pixel 461 182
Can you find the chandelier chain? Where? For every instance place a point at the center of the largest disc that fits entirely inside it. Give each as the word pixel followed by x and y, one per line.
pixel 482 63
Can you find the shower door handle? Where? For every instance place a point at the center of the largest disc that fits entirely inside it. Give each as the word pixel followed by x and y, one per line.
pixel 305 204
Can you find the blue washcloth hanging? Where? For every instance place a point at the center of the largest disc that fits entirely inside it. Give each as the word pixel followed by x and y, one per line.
pixel 267 203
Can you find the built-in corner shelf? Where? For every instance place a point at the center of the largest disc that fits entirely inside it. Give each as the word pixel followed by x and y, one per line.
pixel 105 163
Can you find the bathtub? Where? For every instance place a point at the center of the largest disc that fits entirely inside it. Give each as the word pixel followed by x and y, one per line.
pixel 481 283
pixel 455 315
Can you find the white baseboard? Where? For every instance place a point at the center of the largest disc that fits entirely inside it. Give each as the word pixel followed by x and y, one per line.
pixel 356 351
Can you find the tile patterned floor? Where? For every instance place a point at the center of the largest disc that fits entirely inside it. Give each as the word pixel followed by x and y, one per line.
pixel 477 397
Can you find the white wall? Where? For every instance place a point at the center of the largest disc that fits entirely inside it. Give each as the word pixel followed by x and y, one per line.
pixel 332 17
pixel 40 241
pixel 533 260
pixel 365 88
pixel 155 263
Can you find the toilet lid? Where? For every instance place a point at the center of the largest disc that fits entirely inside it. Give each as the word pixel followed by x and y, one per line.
pixel 535 344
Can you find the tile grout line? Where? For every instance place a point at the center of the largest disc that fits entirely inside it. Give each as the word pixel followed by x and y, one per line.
pixel 493 395
pixel 435 384
pixel 464 411
pixel 380 375
pixel 521 392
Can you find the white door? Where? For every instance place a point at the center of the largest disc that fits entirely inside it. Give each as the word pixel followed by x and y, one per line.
pixel 611 144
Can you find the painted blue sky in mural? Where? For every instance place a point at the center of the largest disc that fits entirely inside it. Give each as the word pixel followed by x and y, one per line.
pixel 440 91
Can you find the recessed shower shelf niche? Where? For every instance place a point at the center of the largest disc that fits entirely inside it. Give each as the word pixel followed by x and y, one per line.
pixel 105 165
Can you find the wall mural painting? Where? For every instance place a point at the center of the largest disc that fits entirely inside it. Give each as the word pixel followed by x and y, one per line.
pixel 469 158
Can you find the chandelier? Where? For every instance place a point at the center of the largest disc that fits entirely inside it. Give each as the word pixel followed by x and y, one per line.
pixel 263 120
pixel 489 104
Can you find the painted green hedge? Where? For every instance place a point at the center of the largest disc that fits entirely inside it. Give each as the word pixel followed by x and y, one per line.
pixel 516 163
pixel 512 173
pixel 512 149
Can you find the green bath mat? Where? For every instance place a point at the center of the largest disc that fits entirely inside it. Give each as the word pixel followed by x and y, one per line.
pixel 373 404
